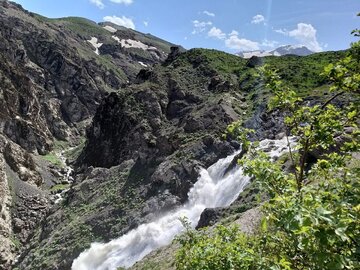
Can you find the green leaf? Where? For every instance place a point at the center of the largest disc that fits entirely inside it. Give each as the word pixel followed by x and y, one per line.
pixel 341 232
pixel 264 225
pixel 352 114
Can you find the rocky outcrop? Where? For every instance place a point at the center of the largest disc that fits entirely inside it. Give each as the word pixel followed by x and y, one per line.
pixel 254 61
pixel 175 51
pixel 21 163
pixel 265 123
pixel 7 247
pixel 51 83
pixel 23 204
pixel 143 153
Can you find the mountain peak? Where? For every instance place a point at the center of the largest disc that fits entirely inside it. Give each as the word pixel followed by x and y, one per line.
pixel 299 50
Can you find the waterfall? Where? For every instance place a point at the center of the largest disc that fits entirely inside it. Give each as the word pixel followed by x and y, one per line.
pixel 67 177
pixel 214 188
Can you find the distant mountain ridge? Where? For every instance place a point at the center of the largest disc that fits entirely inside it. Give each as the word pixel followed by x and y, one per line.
pixel 299 50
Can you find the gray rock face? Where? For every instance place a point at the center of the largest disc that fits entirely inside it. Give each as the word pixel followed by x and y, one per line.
pixel 143 153
pixel 51 84
pixel 254 61
pixel 45 91
pixel 23 205
pixel 7 248
pixel 22 163
pixel 294 50
pixel 52 80
pixel 266 124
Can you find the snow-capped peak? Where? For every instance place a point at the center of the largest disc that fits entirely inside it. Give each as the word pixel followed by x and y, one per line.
pixel 300 50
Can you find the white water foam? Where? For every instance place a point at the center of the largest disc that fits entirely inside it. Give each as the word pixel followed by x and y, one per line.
pixel 214 188
pixel 67 177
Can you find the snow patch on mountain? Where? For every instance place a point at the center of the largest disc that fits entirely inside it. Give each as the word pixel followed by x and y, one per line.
pixel 110 28
pixel 299 50
pixel 142 64
pixel 130 43
pixel 94 42
pixel 292 49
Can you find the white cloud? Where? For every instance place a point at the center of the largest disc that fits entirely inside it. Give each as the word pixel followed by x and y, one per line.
pixel 122 21
pixel 216 33
pixel 209 13
pixel 282 31
pixel 241 44
pixel 125 2
pixel 306 34
pixel 98 3
pixel 146 23
pixel 258 19
pixel 200 26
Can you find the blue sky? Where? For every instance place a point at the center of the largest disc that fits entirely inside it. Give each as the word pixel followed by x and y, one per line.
pixel 228 25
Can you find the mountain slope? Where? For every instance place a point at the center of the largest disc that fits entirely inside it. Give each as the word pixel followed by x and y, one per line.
pixel 146 143
pixel 151 115
pixel 51 85
pixel 298 50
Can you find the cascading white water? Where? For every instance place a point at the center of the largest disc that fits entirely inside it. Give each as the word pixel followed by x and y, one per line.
pixel 214 188
pixel 67 178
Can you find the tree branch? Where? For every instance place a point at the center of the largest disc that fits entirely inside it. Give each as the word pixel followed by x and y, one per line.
pixel 302 164
pixel 291 156
pixel 331 99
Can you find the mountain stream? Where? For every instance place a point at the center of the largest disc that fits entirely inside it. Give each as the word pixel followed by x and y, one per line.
pixel 67 177
pixel 214 188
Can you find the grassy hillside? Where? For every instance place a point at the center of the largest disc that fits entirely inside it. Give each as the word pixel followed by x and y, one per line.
pixel 302 73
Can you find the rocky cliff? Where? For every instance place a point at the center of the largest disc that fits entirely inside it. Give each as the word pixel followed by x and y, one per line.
pixel 136 117
pixel 52 82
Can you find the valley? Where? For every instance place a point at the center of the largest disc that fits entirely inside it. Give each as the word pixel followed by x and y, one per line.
pixel 109 136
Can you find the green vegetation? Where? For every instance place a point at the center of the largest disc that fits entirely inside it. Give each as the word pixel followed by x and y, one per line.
pixel 212 61
pixel 75 152
pixel 54 159
pixel 78 232
pixel 15 241
pixel 84 27
pixel 106 62
pixel 311 219
pixel 304 73
pixel 60 145
pixel 59 187
pixel 52 156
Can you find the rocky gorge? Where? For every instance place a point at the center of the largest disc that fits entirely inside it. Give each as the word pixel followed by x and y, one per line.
pixel 133 119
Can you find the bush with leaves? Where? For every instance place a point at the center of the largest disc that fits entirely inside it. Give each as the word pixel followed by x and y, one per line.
pixel 312 217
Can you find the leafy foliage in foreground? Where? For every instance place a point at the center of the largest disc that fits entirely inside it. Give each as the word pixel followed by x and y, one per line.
pixel 312 217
